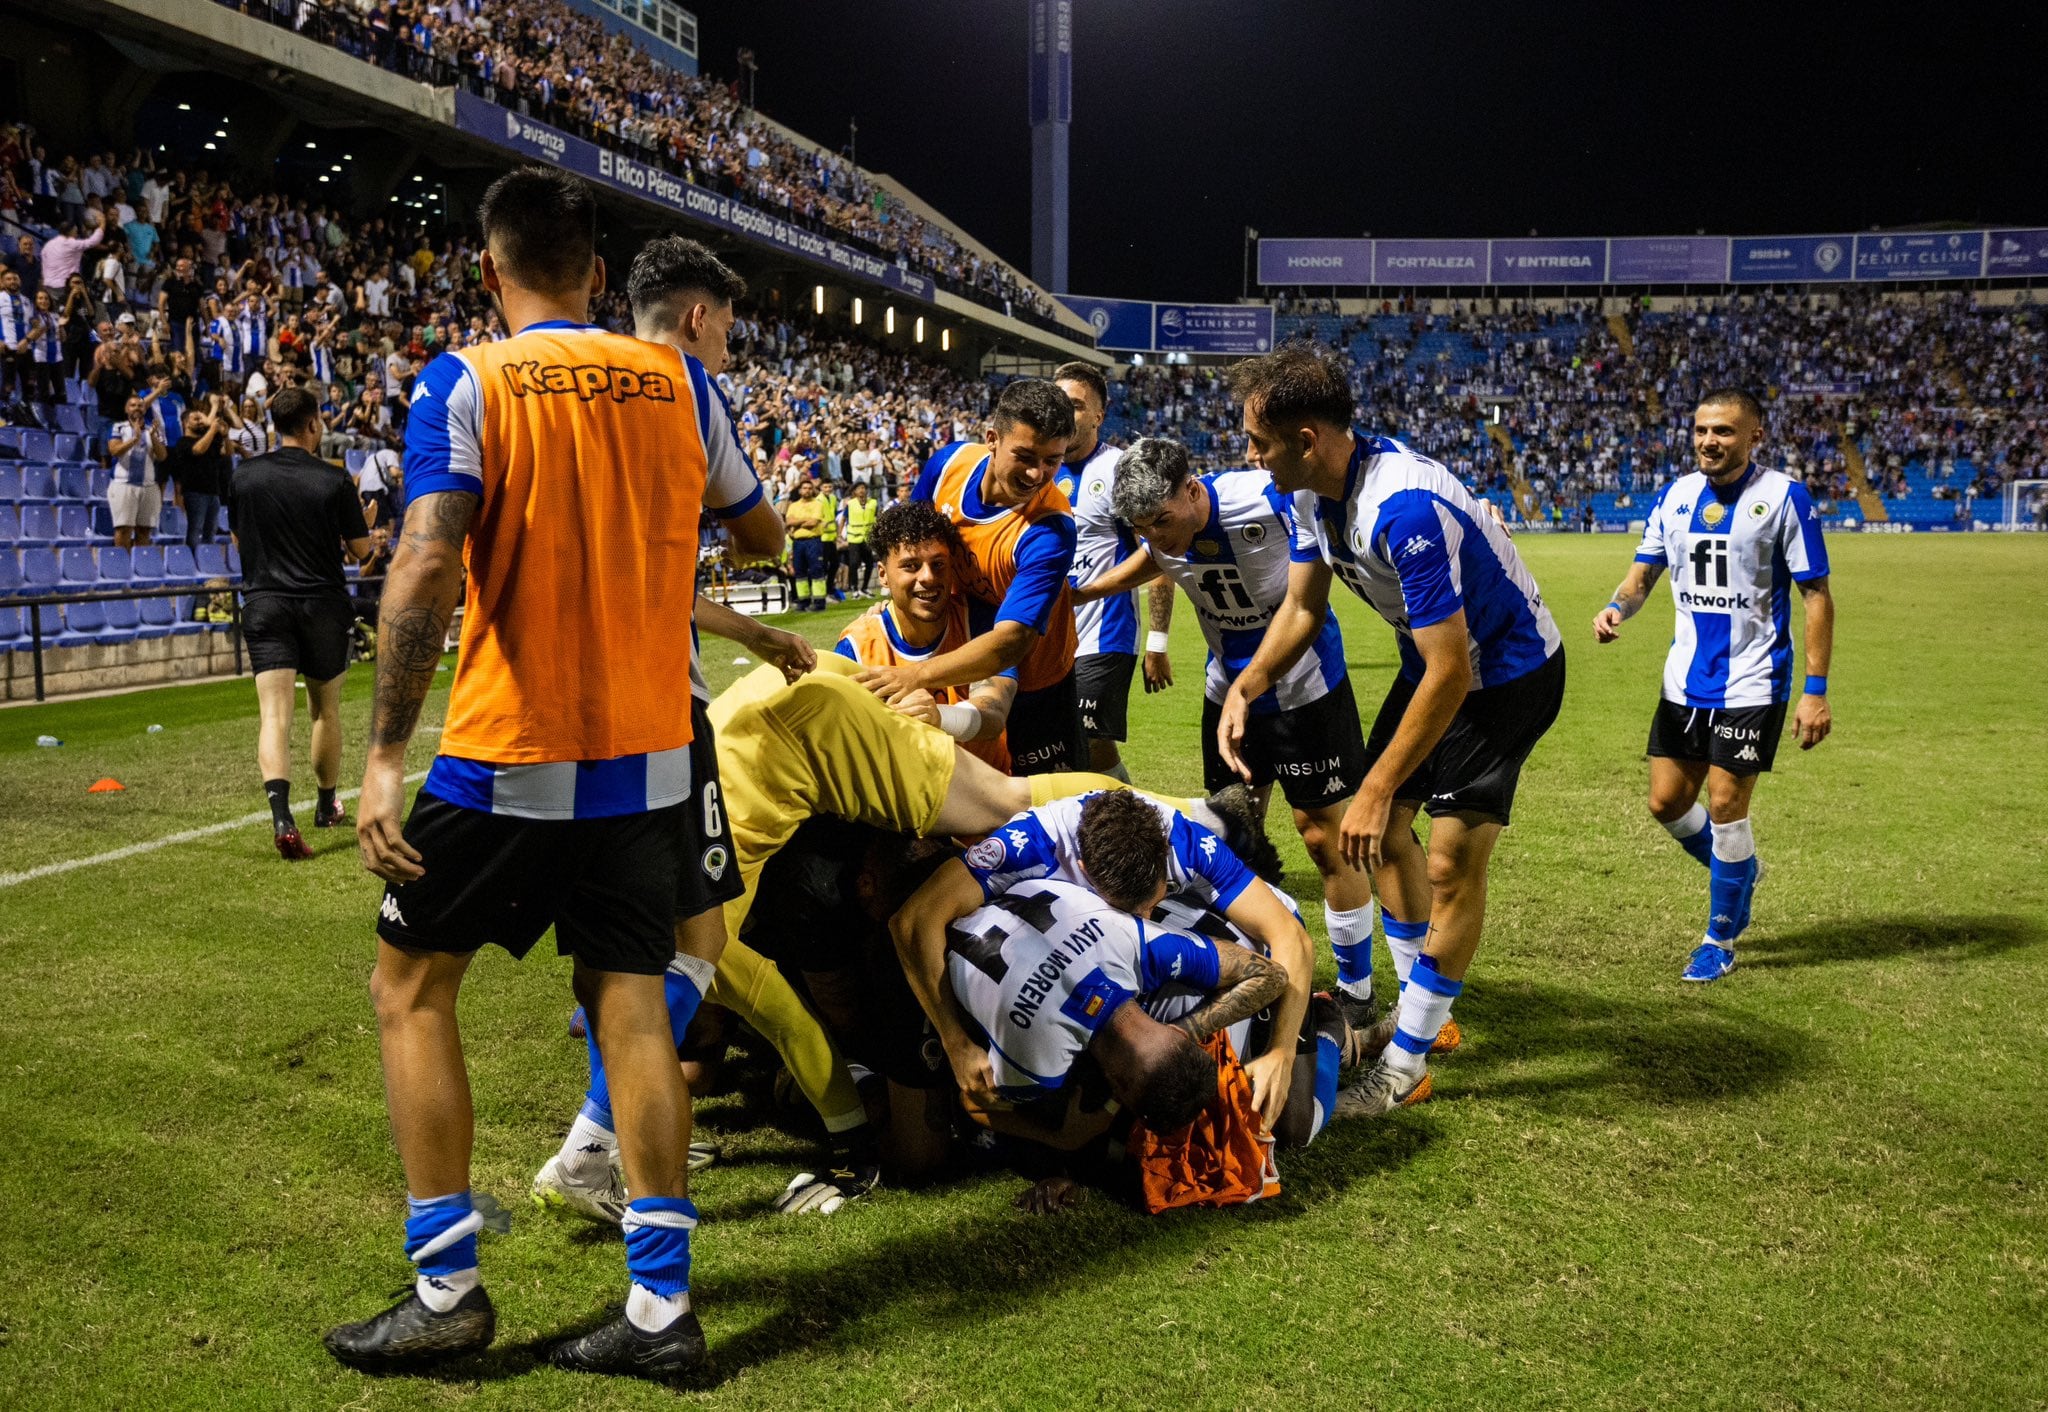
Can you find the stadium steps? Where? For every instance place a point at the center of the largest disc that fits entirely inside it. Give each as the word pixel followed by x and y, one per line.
pixel 1871 503
pixel 1618 326
pixel 1525 498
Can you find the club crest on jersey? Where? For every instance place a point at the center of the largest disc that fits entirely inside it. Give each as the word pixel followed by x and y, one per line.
pixel 986 854
pixel 1714 513
pixel 1208 548
pixel 1757 509
pixel 715 859
pixel 1097 486
pixel 1254 533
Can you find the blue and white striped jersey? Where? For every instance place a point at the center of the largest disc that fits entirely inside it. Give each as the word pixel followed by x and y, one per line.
pixel 1041 968
pixel 1101 542
pixel 1411 541
pixel 1235 573
pixel 1733 559
pixel 15 313
pixel 1046 843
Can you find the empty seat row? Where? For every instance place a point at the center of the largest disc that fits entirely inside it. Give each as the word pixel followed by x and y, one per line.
pixel 80 569
pixel 52 484
pixel 35 444
pixel 110 623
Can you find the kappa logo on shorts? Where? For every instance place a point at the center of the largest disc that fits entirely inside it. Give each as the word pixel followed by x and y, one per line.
pixel 389 911
pixel 986 855
pixel 1748 752
pixel 1334 785
pixel 715 859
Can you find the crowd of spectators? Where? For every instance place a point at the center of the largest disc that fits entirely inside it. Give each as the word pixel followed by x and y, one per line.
pixel 1932 381
pixel 551 62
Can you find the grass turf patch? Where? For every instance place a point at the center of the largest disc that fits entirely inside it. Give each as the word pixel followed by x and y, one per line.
pixel 1817 1183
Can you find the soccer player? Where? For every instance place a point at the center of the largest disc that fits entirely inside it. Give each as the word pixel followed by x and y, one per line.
pixel 554 467
pixel 1231 541
pixel 1735 536
pixel 682 296
pixel 1019 532
pixel 1052 841
pixel 1481 680
pixel 1106 629
pixel 925 617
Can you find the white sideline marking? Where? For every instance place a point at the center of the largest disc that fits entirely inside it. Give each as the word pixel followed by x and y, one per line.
pixel 186 836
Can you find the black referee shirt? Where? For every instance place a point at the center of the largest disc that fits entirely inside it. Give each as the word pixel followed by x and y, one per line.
pixel 290 512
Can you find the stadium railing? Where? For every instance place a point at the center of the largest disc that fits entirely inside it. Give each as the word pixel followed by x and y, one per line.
pixel 35 603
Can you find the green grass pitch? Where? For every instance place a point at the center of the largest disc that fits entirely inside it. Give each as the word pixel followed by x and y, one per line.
pixel 1817 1184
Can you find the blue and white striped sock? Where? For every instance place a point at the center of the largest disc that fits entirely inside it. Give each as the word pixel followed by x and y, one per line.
pixel 683 985
pixel 1731 876
pixel 440 1239
pixel 1404 942
pixel 1694 834
pixel 1351 940
pixel 1425 1005
pixel 658 1259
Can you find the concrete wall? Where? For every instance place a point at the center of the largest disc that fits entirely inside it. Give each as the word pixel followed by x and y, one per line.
pixel 74 669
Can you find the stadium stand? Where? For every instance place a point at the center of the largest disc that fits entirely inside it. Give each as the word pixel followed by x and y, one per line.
pixel 544 59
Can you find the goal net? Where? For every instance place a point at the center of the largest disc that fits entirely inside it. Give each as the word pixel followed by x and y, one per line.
pixel 2025 506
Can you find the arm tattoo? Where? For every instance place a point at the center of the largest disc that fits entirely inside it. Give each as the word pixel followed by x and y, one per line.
pixel 419 598
pixel 1251 982
pixel 1159 603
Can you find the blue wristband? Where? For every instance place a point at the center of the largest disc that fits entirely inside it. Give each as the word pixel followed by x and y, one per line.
pixel 1617 607
pixel 1816 686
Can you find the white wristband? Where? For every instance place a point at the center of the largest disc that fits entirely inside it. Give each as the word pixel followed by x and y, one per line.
pixel 962 722
pixel 1155 642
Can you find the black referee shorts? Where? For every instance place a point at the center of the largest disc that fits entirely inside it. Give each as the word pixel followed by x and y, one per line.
pixel 306 635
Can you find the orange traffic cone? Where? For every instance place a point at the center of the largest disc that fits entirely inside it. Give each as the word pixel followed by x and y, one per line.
pixel 106 786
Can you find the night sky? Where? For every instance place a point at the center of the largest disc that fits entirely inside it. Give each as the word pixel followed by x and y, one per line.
pixel 1196 118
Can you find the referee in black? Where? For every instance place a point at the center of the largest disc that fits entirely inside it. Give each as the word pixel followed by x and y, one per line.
pixel 294 516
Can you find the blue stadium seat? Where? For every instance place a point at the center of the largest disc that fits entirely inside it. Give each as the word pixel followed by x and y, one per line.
pixel 97 479
pixel 10 485
pixel 171 524
pixel 10 573
pixel 114 565
pixel 38 525
pixel 78 566
pixel 124 615
pixel 69 447
pixel 211 561
pixel 10 627
pixel 235 560
pixel 71 418
pixel 85 625
pixel 37 445
pixel 181 609
pixel 103 520
pixel 39 573
pixel 74 483
pixel 74 523
pixel 178 565
pixel 159 617
pixel 78 392
pixel 146 565
pixel 38 485
pixel 48 615
pixel 10 438
pixel 10 527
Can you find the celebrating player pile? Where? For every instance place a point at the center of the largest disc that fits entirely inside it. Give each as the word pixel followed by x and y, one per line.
pixel 886 864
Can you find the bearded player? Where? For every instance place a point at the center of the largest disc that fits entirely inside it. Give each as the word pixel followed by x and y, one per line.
pixel 1736 538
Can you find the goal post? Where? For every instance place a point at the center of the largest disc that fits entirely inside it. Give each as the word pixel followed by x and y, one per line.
pixel 2024 505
